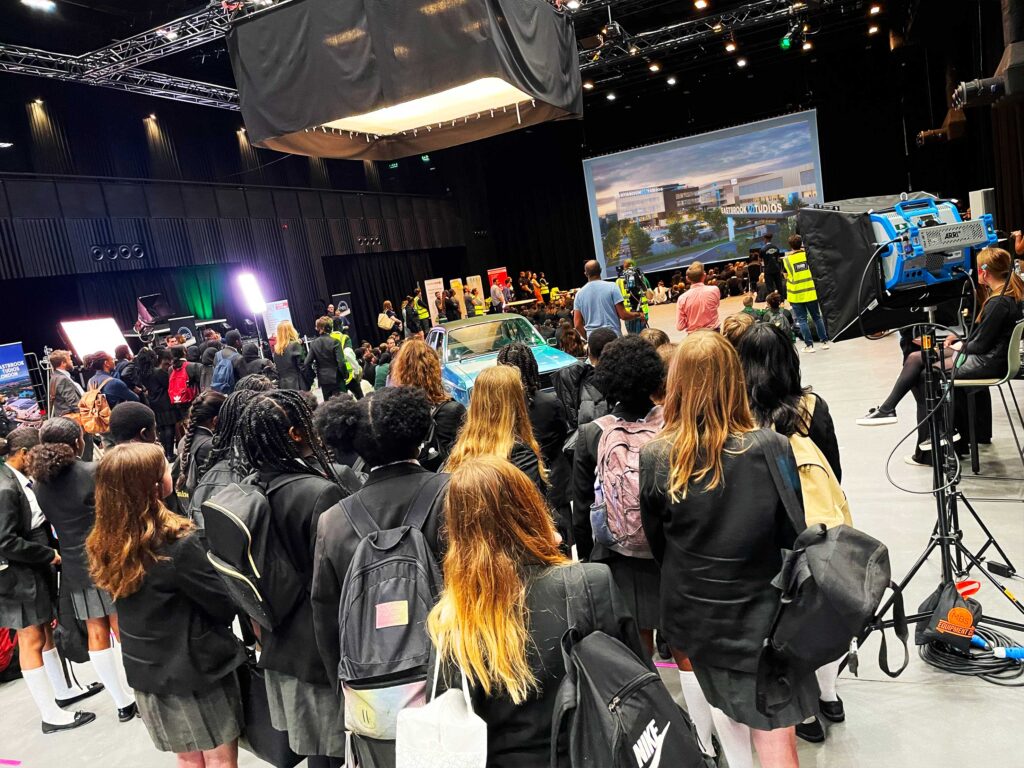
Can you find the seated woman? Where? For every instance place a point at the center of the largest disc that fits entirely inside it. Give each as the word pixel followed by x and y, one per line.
pixel 503 609
pixel 982 356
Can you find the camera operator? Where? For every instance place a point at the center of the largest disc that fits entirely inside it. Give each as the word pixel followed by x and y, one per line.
pixel 771 266
pixel 983 356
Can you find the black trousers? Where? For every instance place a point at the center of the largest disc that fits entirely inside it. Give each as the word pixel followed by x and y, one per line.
pixel 775 281
pixel 356 390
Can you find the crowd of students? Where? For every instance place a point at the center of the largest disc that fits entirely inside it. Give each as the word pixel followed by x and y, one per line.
pixel 671 440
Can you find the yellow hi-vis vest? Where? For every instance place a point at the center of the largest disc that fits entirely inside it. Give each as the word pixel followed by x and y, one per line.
pixel 627 300
pixel 421 311
pixel 799 283
pixel 478 307
pixel 343 340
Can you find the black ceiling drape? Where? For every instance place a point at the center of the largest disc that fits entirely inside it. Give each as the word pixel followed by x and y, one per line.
pixel 374 277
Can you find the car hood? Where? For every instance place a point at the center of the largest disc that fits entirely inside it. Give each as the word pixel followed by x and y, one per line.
pixel 548 359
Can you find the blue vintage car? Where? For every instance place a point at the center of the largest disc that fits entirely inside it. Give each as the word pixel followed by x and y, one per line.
pixel 468 346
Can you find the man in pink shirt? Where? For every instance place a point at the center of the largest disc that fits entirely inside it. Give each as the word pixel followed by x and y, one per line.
pixel 698 307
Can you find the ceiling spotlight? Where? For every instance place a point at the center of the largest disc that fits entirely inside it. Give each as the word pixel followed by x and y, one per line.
pixel 717 27
pixel 573 5
pixel 873 29
pixel 730 45
pixel 633 50
pixel 588 85
pixel 47 6
pixel 152 116
pixel 654 66
pixel 807 45
pixel 741 63
pixel 6 144
pixel 700 5
pixel 610 97
pixel 671 80
pixel 37 101
pixel 786 42
pixel 874 10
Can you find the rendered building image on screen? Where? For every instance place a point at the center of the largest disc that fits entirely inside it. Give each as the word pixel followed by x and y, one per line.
pixel 703 198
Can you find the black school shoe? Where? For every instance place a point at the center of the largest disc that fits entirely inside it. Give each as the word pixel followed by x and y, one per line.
pixel 128 713
pixel 81 718
pixel 91 690
pixel 833 710
pixel 812 731
pixel 877 417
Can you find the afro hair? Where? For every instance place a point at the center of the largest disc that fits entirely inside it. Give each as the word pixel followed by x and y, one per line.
pixel 383 428
pixel 629 372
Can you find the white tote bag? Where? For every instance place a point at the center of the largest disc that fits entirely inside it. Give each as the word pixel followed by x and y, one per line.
pixel 445 733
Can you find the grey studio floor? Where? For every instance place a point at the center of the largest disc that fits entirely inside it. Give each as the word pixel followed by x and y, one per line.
pixel 925 718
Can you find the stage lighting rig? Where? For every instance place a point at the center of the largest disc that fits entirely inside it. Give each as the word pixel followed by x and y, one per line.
pixel 1007 84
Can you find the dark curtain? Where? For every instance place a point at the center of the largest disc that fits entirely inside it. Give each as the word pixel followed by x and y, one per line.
pixel 374 277
pixel 1008 135
pixel 39 304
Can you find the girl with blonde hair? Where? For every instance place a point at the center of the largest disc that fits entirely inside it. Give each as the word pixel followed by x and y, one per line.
pixel 417 365
pixel 498 424
pixel 289 357
pixel 503 609
pixel 717 525
pixel 180 655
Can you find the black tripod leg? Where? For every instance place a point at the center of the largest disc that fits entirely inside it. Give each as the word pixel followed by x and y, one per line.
pixel 1012 598
pixel 990 540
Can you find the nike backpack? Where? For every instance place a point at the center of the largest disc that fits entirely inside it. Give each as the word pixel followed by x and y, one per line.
pixel 247 553
pixel 616 712
pixel 391 584
pixel 615 513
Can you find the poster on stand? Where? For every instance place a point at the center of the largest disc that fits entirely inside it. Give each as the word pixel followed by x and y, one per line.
pixel 343 305
pixel 459 295
pixel 275 314
pixel 183 328
pixel 431 287
pixel 474 281
pixel 16 392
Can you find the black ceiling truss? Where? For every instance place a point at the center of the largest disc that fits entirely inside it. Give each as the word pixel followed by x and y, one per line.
pixel 117 65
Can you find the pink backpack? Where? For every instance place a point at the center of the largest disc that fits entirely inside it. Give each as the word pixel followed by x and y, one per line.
pixel 615 514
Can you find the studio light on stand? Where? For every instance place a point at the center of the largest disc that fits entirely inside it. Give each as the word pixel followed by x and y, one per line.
pixel 254 302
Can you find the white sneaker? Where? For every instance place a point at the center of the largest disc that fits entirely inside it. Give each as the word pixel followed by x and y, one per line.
pixel 810 350
pixel 909 459
pixel 824 345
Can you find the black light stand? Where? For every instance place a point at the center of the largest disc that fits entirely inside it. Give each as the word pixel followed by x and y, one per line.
pixel 947 536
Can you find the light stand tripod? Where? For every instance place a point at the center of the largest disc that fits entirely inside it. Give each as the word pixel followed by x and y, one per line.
pixel 947 536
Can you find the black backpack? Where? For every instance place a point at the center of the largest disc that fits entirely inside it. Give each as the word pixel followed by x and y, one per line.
pixel 390 586
pixel 248 555
pixel 620 714
pixel 830 585
pixel 214 480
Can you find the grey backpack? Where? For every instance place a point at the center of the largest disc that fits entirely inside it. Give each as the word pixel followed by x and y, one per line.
pixel 391 584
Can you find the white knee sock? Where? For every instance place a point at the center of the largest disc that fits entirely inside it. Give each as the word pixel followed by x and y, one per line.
pixel 735 740
pixel 106 667
pixel 828 676
pixel 42 693
pixel 698 709
pixel 54 671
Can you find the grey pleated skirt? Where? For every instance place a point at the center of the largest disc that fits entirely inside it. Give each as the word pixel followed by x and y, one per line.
pixel 639 581
pixel 17 614
pixel 195 722
pixel 91 603
pixel 734 693
pixel 313 715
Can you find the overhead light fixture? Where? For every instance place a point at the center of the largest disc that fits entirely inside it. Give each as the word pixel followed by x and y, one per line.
pixel 495 92
pixel 717 27
pixel 251 293
pixel 588 85
pixel 610 97
pixel 168 34
pixel 654 66
pixel 574 5
pixel 6 144
pixel 807 45
pixel 741 62
pixel 730 44
pixel 46 6
pixel 786 42
pixel 700 5
pixel 671 80
pixel 633 50
pixel 151 117
pixel 873 29
pixel 874 10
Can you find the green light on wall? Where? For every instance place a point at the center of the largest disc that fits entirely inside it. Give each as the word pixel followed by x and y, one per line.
pixel 392 166
pixel 425 158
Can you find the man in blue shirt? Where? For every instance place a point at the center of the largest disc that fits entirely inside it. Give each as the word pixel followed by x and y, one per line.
pixel 599 304
pixel 115 390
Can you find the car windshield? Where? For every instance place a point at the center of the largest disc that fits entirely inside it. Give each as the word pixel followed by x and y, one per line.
pixel 482 338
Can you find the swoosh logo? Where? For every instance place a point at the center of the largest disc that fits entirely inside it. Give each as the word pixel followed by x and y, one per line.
pixel 660 743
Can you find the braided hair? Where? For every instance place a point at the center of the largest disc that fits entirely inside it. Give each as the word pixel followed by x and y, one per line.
pixel 518 355
pixel 204 410
pixel 254 382
pixel 228 432
pixel 265 439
